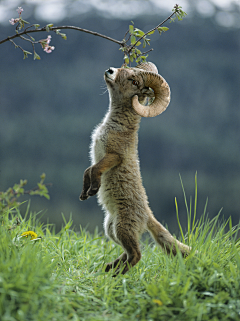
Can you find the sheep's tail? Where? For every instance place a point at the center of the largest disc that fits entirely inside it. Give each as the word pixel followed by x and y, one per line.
pixel 163 237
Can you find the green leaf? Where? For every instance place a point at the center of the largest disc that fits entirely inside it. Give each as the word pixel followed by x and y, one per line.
pixel 133 40
pixel 36 26
pixel 126 59
pixel 43 176
pixel 24 21
pixel 144 43
pixel 49 26
pixel 64 36
pixel 138 32
pixel 131 29
pixel 147 40
pixel 20 191
pixel 21 24
pixel 123 49
pixel 36 56
pixel 138 43
pixel 172 20
pixel 163 29
pixel 26 53
pixel 47 196
pixel 23 182
pixel 150 33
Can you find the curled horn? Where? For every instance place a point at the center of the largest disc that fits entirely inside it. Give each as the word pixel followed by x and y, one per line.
pixel 147 66
pixel 161 92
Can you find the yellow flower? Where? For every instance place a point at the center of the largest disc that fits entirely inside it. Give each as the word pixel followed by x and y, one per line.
pixel 158 302
pixel 29 233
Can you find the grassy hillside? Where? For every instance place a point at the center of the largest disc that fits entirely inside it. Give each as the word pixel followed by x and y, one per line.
pixel 60 276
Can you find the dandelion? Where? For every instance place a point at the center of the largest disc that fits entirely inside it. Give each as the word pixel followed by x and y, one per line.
pixel 158 302
pixel 29 233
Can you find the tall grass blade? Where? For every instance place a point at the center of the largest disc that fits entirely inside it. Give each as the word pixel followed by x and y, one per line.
pixel 179 224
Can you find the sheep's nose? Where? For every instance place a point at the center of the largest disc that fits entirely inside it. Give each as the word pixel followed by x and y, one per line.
pixel 110 71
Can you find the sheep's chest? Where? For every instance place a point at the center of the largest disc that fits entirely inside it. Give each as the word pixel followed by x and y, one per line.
pixel 98 147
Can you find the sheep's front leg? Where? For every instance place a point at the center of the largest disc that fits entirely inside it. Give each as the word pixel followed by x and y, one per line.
pixel 86 184
pixel 92 175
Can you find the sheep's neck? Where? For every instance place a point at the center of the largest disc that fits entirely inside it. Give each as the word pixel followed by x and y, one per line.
pixel 124 115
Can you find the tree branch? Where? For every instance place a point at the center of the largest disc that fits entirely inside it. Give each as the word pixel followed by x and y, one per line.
pixel 160 24
pixel 130 51
pixel 24 32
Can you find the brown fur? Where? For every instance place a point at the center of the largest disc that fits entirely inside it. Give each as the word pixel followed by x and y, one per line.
pixel 115 174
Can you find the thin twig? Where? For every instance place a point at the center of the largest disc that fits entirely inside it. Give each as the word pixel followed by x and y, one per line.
pixel 160 24
pixel 143 53
pixel 16 46
pixel 29 27
pixel 128 38
pixel 121 43
pixel 32 42
pixel 126 34
pixel 29 40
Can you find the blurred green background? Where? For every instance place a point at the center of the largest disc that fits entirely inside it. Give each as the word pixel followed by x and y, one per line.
pixel 48 108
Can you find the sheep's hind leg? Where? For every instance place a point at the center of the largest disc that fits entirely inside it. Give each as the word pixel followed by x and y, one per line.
pixel 108 226
pixel 112 265
pixel 130 244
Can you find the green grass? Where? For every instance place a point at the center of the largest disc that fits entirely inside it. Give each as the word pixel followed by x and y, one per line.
pixel 60 276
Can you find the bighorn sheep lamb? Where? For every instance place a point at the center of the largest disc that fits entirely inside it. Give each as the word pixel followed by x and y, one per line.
pixel 115 173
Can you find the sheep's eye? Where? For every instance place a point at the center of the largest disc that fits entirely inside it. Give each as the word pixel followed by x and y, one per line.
pixel 134 82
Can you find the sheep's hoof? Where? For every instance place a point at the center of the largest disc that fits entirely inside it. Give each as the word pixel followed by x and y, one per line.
pixel 108 267
pixel 83 196
pixel 93 188
pixel 92 191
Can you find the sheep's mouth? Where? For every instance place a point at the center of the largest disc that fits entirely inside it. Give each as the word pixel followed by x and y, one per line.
pixel 107 77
